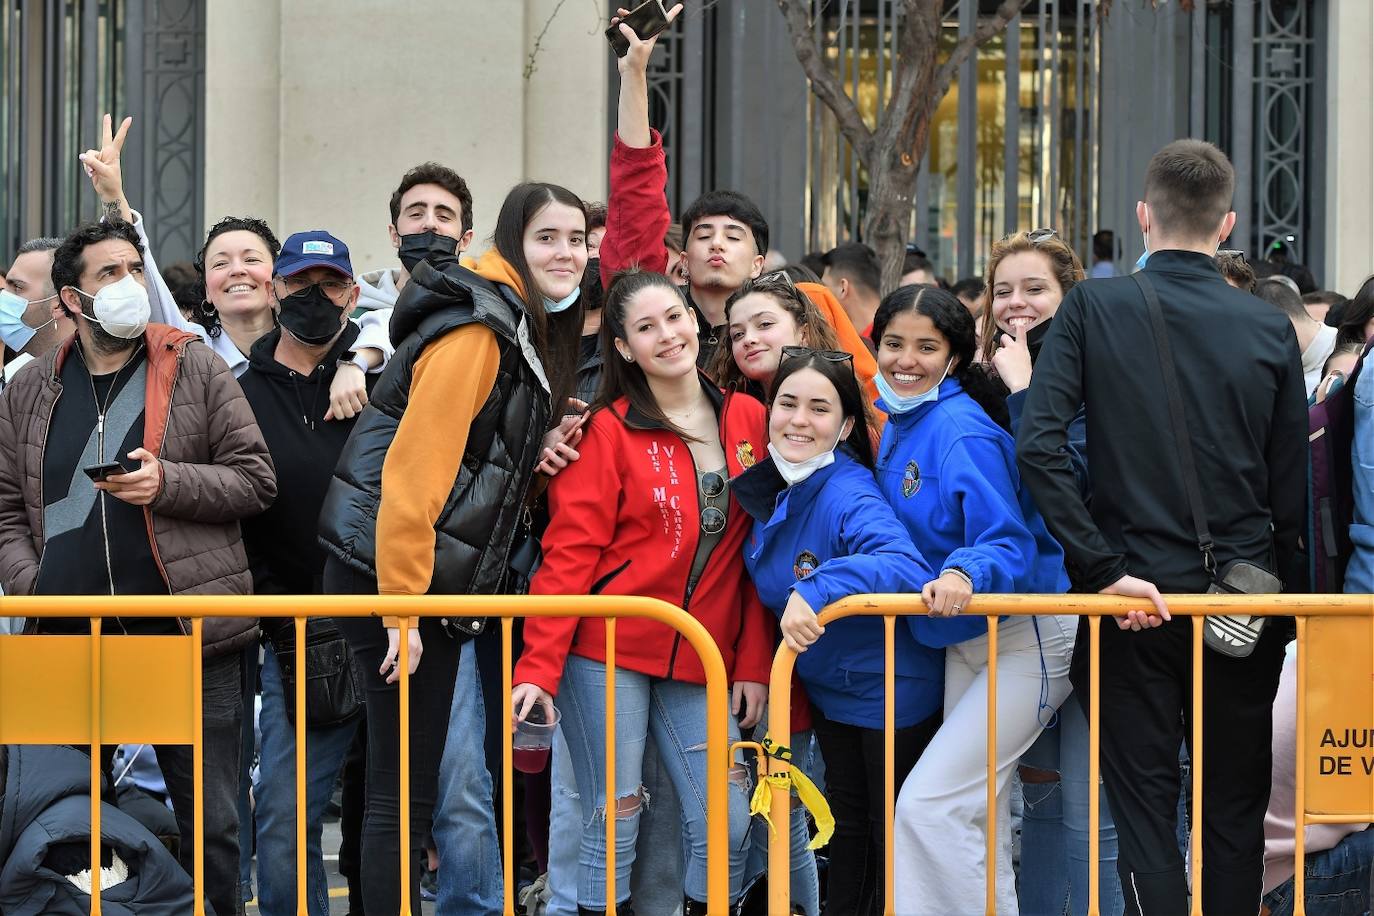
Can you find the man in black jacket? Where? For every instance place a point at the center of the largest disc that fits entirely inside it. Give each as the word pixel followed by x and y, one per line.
pixel 1240 376
pixel 290 370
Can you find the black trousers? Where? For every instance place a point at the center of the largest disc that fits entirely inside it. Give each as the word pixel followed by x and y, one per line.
pixel 431 696
pixel 855 776
pixel 1147 713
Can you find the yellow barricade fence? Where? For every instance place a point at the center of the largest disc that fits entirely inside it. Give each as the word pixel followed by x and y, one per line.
pixel 123 689
pixel 1344 622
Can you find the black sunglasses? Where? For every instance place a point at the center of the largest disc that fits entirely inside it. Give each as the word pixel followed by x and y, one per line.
pixel 712 517
pixel 832 356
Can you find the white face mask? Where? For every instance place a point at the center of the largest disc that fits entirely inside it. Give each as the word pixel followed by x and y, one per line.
pixel 794 472
pixel 896 403
pixel 122 308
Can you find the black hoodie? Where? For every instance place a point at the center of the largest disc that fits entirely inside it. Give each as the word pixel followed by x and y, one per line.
pixel 282 543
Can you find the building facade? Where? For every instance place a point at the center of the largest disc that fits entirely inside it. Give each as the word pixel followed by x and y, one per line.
pixel 307 114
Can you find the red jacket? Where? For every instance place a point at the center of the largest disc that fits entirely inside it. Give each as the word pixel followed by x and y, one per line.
pixel 625 520
pixel 637 219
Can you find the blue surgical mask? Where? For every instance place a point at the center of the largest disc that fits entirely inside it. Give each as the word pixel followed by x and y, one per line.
pixel 896 403
pixel 562 305
pixel 13 331
pixel 1140 261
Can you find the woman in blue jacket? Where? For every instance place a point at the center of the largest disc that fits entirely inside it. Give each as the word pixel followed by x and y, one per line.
pixel 949 472
pixel 822 531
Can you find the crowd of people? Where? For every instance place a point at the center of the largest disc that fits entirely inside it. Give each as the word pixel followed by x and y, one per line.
pixel 608 401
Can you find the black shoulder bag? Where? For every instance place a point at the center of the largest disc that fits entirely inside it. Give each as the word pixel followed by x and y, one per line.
pixel 1233 635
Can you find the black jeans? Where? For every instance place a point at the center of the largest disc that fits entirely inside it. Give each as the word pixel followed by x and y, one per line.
pixel 855 776
pixel 431 695
pixel 1147 713
pixel 222 738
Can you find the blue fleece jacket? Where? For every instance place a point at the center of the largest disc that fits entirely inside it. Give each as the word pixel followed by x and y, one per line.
pixel 950 473
pixel 831 536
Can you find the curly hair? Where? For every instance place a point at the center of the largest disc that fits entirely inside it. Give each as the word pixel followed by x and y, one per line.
pixel 815 331
pixel 68 261
pixel 206 315
pixel 1064 264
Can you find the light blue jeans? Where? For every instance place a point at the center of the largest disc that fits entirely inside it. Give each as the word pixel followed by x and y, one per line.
pixel 464 813
pixel 661 851
pixel 1054 826
pixel 674 713
pixel 275 793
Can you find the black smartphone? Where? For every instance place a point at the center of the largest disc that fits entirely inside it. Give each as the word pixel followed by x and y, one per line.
pixel 99 472
pixel 647 20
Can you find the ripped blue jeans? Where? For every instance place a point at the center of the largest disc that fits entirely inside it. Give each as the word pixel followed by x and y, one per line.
pixel 674 713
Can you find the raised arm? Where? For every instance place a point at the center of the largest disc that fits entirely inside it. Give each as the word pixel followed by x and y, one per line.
pixel 637 216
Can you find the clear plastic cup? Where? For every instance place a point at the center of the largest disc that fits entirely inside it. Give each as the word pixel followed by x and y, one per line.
pixel 533 740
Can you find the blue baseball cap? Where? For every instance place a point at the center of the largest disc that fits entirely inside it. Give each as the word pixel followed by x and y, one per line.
pixel 316 248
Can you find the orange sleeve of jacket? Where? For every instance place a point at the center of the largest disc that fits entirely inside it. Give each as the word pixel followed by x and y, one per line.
pixel 865 366
pixel 453 379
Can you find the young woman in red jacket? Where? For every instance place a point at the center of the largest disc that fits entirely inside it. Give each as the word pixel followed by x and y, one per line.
pixel 647 510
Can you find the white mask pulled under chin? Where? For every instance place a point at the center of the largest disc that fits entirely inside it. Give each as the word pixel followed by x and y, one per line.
pixel 794 472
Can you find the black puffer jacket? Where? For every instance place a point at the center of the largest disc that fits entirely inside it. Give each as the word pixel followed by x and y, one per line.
pixel 479 522
pixel 45 829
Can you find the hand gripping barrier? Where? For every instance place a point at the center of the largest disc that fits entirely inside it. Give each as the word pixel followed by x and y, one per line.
pixel 122 689
pixel 1094 607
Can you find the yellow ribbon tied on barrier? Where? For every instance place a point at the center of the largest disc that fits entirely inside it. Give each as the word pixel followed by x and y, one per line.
pixel 809 795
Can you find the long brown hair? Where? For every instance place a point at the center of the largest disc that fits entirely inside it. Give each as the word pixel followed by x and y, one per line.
pixel 1068 271
pixel 811 324
pixel 557 338
pixel 621 378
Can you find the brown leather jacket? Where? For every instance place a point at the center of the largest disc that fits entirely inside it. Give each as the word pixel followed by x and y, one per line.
pixel 215 471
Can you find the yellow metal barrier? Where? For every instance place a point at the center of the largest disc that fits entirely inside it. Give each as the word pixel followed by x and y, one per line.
pixel 148 689
pixel 1094 607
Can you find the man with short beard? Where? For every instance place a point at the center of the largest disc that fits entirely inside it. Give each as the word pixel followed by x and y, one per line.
pixel 191 463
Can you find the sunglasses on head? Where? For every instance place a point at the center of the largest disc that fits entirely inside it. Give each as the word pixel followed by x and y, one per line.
pixel 1035 236
pixel 777 276
pixel 832 356
pixel 712 516
pixel 1235 253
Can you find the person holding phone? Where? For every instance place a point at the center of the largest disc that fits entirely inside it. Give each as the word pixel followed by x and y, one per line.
pixel 821 532
pixel 162 412
pixel 647 510
pixel 1028 275
pixel 431 490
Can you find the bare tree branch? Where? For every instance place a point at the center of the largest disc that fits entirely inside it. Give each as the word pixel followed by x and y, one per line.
pixel 966 46
pixel 824 83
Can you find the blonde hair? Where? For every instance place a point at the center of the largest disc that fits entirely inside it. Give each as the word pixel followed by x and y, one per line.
pixel 1064 263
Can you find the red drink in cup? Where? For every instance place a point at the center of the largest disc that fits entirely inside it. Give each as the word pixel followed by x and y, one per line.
pixel 533 740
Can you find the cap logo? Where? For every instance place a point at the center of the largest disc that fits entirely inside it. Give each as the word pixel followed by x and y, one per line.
pixel 324 248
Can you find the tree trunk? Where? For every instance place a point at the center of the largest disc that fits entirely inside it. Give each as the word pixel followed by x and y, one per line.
pixel 891 199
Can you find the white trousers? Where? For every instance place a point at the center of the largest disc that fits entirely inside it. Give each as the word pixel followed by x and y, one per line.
pixel 940 853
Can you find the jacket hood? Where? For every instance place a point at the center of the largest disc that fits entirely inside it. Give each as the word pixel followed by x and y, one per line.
pixel 36 777
pixel 760 488
pixel 441 283
pixel 262 358
pixel 377 290
pixel 491 266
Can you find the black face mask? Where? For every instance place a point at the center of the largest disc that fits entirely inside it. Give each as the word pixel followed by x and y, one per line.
pixel 1035 338
pixel 310 316
pixel 425 246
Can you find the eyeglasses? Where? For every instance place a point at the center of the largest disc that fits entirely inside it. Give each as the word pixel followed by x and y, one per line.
pixel 333 288
pixel 1234 253
pixel 832 356
pixel 1036 236
pixel 777 276
pixel 712 517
